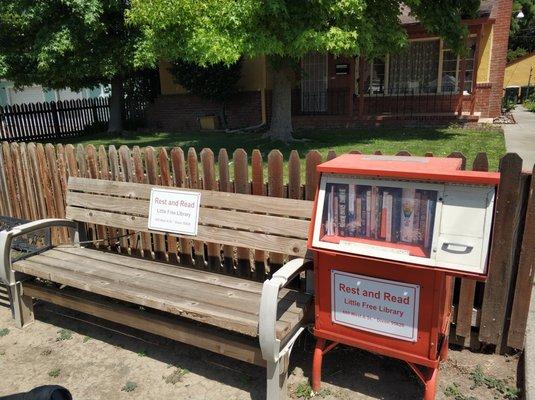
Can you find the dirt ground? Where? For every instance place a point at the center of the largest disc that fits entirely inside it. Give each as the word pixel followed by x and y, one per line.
pixel 99 360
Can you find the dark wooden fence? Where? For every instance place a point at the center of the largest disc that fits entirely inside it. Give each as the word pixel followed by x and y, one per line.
pixel 53 120
pixel 33 179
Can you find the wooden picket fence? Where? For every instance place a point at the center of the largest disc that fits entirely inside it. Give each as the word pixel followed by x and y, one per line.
pixel 33 180
pixel 53 120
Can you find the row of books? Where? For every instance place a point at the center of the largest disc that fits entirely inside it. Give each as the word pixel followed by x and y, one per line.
pixel 380 213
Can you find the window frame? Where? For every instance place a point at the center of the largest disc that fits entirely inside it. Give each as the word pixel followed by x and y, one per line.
pixel 439 91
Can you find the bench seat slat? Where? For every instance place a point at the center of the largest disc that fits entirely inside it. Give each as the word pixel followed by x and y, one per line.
pixel 208 305
pixel 256 204
pixel 212 234
pixel 275 225
pixel 233 299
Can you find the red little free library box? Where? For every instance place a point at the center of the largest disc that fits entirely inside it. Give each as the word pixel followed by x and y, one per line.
pixel 388 234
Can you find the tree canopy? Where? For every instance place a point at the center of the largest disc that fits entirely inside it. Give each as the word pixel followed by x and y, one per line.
pixel 213 31
pixel 66 43
pixel 522 33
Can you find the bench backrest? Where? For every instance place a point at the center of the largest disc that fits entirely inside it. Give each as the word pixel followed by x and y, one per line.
pixel 258 222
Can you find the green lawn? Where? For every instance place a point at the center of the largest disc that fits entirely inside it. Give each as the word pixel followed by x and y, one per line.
pixel 440 141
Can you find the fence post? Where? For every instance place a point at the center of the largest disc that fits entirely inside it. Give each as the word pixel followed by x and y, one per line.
pixel 94 110
pixel 55 118
pixel 496 299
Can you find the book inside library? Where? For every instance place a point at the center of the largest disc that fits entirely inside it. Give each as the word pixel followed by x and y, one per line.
pixel 400 219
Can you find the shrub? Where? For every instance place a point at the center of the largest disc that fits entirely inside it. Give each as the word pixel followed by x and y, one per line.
pixel 507 105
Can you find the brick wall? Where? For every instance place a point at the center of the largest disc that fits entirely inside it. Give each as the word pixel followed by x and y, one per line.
pixel 182 111
pixel 500 39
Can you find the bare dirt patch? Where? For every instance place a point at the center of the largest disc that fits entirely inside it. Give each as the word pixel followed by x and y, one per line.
pixel 100 360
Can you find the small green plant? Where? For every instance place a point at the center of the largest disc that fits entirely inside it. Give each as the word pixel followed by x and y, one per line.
pixel 508 105
pixel 176 376
pixel 303 391
pixel 87 339
pixel 2 352
pixel 54 373
pixel 129 386
pixel 454 390
pixel 46 352
pixel 142 353
pixel 64 334
pixel 4 332
pixel 530 105
pixel 479 378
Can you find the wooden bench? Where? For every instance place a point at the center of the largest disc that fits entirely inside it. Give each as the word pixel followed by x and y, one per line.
pixel 250 321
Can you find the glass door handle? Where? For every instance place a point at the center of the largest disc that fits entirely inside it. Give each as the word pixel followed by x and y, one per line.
pixel 457 248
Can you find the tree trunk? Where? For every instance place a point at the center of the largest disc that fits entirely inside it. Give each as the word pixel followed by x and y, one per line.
pixel 281 104
pixel 115 125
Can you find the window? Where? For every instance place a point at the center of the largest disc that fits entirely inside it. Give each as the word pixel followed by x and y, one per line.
pixel 423 67
pixel 415 70
pixel 450 66
pixel 469 66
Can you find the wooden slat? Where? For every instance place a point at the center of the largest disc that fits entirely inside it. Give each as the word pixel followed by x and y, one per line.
pixel 234 201
pixel 241 185
pixel 153 179
pixel 224 186
pixel 275 189
pixel 194 183
pixel 524 278
pixel 167 285
pixel 169 327
pixel 165 176
pixel 124 287
pixel 313 159
pixel 290 246
pixel 258 189
pixel 10 179
pixel 139 177
pixel 57 193
pixel 179 180
pixel 495 300
pixel 209 183
pixel 274 225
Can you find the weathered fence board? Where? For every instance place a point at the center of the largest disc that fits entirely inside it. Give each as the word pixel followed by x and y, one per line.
pixel 33 181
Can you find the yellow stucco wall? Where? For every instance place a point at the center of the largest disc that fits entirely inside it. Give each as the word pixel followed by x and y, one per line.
pixel 167 82
pixel 517 72
pixel 485 51
pixel 253 77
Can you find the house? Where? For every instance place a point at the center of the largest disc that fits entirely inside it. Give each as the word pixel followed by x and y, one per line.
pixel 37 94
pixel 520 75
pixel 427 81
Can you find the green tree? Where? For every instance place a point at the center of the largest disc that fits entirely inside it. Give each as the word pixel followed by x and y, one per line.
pixel 68 43
pixel 212 31
pixel 217 82
pixel 522 33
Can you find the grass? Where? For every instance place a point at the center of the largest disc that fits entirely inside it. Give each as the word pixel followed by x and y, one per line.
pixel 499 387
pixel 4 332
pixel 54 373
pixel 175 376
pixel 64 334
pixel 441 141
pixel 129 386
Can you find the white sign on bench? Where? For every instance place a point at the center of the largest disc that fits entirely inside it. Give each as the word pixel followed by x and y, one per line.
pixel 174 211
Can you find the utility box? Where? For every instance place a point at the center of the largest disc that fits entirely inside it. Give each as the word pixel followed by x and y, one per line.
pixel 209 122
pixel 388 235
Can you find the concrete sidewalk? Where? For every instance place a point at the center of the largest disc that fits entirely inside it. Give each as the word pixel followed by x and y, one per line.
pixel 520 137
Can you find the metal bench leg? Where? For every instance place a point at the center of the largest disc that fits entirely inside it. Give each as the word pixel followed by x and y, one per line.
pixel 277 378
pixel 21 306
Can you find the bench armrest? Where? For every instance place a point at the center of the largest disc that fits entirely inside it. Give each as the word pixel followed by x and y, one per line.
pixel 269 344
pixel 6 238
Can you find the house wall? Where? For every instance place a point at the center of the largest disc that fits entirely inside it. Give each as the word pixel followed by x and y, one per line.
pixel 501 12
pixel 253 77
pixel 517 73
pixel 485 52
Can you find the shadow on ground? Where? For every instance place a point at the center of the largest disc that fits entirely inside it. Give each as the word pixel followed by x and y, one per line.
pixel 344 368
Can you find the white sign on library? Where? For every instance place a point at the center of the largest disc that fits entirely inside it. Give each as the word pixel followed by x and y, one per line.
pixel 174 211
pixel 375 305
